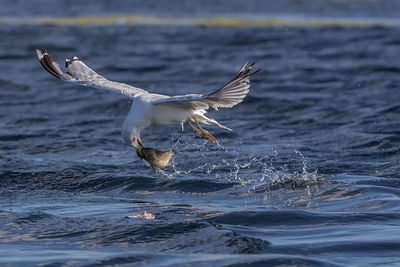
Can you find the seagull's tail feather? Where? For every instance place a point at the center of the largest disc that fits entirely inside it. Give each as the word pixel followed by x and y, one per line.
pixel 51 65
pixel 200 118
pixel 233 92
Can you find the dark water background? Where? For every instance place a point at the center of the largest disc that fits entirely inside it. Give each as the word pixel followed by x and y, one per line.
pixel 309 176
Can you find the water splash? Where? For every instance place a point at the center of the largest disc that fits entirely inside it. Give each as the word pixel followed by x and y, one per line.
pixel 226 165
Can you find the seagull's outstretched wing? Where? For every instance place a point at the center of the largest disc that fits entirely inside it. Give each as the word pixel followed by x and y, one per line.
pixel 79 72
pixel 226 97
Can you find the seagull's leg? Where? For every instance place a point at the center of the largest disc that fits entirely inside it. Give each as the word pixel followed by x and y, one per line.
pixel 206 134
pixel 200 131
pixel 191 126
pixel 196 130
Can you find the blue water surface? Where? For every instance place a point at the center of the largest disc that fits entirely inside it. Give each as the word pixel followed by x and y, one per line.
pixel 309 175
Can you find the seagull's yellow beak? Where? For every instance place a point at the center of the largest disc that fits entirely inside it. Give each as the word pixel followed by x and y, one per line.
pixel 139 143
pixel 139 148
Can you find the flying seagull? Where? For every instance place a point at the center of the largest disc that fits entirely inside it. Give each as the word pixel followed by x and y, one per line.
pixel 156 109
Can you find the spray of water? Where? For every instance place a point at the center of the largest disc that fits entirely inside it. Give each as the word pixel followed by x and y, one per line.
pixel 281 166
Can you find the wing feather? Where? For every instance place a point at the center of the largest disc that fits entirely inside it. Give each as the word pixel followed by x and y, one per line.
pixel 79 72
pixel 228 96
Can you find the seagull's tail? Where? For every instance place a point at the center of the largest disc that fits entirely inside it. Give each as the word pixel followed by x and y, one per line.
pixel 200 118
pixel 219 124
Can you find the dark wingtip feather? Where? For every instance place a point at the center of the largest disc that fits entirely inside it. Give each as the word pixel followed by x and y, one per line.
pixel 248 70
pixel 51 65
pixel 254 72
pixel 41 56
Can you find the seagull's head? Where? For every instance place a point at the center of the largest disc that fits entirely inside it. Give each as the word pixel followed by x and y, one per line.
pixel 135 142
pixel 130 140
pixel 131 136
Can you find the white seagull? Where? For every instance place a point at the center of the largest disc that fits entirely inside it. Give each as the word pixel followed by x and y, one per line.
pixel 156 109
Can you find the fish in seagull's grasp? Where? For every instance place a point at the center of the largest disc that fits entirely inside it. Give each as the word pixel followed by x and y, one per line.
pixel 149 109
pixel 155 157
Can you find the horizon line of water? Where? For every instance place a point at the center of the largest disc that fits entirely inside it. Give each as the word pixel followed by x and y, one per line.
pixel 223 20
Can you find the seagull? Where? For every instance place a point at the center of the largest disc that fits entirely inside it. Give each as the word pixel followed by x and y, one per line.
pixel 149 109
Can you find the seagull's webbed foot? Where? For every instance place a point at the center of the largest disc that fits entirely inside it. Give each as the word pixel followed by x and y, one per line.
pixel 202 132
